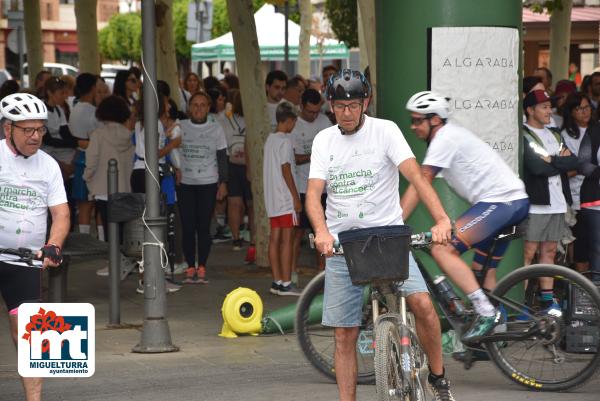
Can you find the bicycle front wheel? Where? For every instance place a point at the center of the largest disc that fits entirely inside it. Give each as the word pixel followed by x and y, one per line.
pixel 317 342
pixel 561 348
pixel 397 363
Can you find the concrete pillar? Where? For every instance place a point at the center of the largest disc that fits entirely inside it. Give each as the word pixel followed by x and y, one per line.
pixel 403 69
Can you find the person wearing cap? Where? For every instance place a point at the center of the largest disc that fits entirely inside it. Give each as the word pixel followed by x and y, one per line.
pixel 32 185
pixel 563 89
pixel 479 175
pixel 546 161
pixel 359 161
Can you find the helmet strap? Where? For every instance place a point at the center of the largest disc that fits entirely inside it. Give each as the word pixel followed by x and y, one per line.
pixel 14 145
pixel 358 126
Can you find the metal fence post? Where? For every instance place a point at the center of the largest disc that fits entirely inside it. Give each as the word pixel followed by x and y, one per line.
pixel 114 264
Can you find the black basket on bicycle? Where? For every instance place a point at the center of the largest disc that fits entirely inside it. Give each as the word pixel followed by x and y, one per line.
pixel 377 253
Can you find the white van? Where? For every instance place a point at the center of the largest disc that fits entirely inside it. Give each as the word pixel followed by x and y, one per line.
pixel 56 69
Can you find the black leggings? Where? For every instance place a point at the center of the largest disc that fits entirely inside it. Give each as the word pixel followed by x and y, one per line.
pixel 196 207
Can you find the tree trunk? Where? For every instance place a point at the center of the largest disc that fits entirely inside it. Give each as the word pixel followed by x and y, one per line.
pixel 33 39
pixel 366 22
pixel 560 40
pixel 166 56
pixel 87 36
pixel 304 40
pixel 254 102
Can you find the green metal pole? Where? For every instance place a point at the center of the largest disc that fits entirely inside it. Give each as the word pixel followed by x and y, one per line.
pixel 402 70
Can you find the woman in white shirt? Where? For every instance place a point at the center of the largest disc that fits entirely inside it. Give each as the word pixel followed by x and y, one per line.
pixel 202 181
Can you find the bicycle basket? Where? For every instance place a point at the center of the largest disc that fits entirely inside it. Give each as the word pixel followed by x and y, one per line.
pixel 377 253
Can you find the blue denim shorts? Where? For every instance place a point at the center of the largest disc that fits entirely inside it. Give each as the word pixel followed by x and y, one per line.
pixel 343 301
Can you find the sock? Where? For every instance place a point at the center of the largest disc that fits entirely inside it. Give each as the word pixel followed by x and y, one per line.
pixel 286 283
pixel 481 303
pixel 433 378
pixel 547 295
pixel 100 230
pixel 278 282
pixel 84 228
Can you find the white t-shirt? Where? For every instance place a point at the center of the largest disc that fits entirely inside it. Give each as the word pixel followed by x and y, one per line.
pixel 361 172
pixel 558 203
pixel 83 120
pixel 473 169
pixel 56 119
pixel 27 188
pixel 234 127
pixel 140 145
pixel 199 151
pixel 574 182
pixel 278 151
pixel 302 139
pixel 271 110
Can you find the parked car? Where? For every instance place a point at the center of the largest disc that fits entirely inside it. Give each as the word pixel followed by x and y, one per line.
pixel 56 69
pixel 109 72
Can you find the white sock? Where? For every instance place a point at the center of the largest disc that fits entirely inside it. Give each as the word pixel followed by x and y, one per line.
pixel 100 230
pixel 278 282
pixel 84 228
pixel 286 283
pixel 481 303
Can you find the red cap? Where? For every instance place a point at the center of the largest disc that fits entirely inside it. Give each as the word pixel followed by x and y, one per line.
pixel 565 86
pixel 535 97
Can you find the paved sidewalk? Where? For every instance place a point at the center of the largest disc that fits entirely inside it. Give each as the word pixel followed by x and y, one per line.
pixel 210 368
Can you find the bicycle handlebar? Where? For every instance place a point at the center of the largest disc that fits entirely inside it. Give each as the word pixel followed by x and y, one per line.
pixel 416 240
pixel 25 255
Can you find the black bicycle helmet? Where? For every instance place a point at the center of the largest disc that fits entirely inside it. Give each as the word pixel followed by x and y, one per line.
pixel 348 84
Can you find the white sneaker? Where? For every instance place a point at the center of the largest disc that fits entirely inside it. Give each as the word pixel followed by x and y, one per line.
pixel 102 272
pixel 178 268
pixel 169 287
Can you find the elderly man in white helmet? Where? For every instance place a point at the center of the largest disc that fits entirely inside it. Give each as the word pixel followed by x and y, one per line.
pixel 30 184
pixel 479 175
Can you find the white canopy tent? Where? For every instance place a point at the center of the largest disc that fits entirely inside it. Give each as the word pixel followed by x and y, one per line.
pixel 270 29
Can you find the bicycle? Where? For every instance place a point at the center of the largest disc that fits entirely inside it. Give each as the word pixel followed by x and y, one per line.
pixel 532 348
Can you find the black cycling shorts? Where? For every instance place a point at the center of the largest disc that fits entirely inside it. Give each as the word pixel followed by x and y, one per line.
pixel 20 284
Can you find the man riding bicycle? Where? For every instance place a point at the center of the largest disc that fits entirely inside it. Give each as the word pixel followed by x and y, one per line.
pixel 478 174
pixel 359 160
pixel 30 184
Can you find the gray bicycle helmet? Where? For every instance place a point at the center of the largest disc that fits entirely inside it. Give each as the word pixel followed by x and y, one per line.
pixel 348 84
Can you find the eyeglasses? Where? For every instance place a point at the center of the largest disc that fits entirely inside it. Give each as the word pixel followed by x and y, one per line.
pixel 342 107
pixel 582 109
pixel 29 131
pixel 418 120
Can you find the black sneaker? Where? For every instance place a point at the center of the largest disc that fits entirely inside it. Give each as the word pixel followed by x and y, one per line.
pixel 289 290
pixel 238 244
pixel 440 389
pixel 221 235
pixel 274 288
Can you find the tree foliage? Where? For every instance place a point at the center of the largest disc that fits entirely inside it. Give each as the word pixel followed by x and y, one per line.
pixel 121 39
pixel 343 16
pixel 182 46
pixel 541 6
pixel 221 17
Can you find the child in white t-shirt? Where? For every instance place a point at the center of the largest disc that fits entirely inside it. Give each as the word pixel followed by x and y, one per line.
pixel 282 201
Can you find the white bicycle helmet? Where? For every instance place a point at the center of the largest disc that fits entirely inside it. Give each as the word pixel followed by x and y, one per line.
pixel 23 106
pixel 428 102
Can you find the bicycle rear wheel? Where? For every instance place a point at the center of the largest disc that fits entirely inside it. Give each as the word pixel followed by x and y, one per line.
pixel 397 363
pixel 317 342
pixel 549 359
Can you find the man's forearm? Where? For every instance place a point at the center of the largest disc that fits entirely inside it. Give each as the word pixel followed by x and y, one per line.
pixel 61 223
pixel 430 198
pixel 315 212
pixel 409 201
